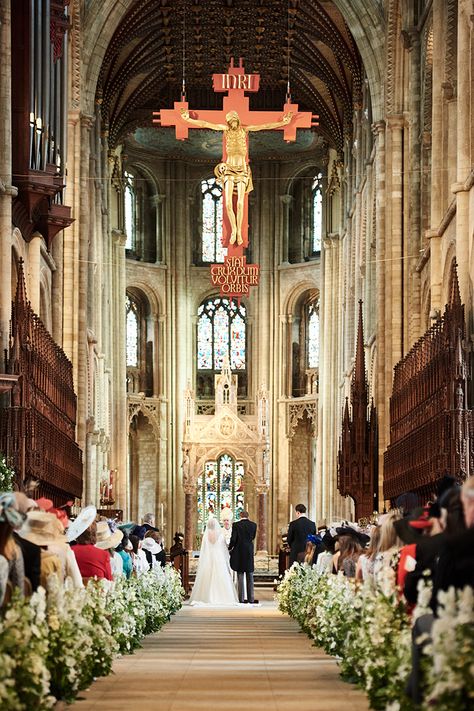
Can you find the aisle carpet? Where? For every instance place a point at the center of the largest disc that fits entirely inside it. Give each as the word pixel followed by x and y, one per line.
pixel 234 659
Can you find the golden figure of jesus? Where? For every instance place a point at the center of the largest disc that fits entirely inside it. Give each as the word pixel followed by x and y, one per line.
pixel 234 175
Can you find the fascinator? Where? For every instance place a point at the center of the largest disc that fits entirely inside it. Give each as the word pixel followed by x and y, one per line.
pixel 311 538
pixel 9 513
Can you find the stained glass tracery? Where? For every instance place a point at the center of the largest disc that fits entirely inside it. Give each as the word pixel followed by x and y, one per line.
pixel 212 215
pixel 317 218
pixel 220 485
pixel 221 333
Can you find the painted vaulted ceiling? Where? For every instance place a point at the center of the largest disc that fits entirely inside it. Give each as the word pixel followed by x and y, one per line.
pixel 143 66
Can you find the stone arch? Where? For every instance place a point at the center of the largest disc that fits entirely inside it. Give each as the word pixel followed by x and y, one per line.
pixel 293 297
pixel 149 294
pixel 366 23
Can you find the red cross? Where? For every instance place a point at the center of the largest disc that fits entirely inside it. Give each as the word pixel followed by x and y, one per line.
pixel 236 83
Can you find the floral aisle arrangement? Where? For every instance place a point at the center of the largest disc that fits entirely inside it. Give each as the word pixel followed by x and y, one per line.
pixel 369 630
pixel 56 643
pixel 7 475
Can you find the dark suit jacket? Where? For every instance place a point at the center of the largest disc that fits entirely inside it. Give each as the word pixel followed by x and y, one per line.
pixel 241 546
pixel 31 558
pixel 297 532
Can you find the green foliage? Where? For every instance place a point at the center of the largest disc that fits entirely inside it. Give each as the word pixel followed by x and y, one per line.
pixel 368 628
pixel 55 644
pixel 7 475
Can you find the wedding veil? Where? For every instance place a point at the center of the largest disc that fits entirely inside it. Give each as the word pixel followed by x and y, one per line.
pixel 213 584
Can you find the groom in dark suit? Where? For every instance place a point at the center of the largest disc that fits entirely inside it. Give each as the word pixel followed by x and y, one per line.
pixel 241 554
pixel 297 532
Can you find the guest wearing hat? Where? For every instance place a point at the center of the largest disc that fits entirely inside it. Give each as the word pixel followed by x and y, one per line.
pixel 93 562
pixel 324 562
pixel 43 529
pixel 13 571
pixel 155 547
pixel 108 540
pixel 31 552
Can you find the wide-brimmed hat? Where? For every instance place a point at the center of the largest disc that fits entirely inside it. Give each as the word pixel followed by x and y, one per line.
pixel 80 524
pixel 105 538
pixel 360 537
pixel 42 528
pixel 151 545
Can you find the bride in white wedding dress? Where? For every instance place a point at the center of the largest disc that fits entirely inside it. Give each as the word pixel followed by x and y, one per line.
pixel 213 584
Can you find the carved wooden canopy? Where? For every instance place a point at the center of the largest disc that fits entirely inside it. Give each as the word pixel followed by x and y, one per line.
pixel 143 66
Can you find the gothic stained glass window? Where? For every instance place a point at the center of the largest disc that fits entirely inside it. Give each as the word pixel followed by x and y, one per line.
pixel 212 215
pixel 129 201
pixel 317 217
pixel 313 335
pixel 220 485
pixel 132 332
pixel 221 332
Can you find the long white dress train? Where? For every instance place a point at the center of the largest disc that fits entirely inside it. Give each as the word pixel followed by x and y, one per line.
pixel 213 584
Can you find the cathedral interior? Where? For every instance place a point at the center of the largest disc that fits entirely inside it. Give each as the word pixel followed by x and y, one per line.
pixel 342 380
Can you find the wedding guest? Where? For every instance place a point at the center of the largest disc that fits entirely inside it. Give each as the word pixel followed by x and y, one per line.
pixel 31 552
pixel 158 552
pixel 11 519
pixel 298 530
pixel 92 561
pixel 107 540
pixel 389 546
pixel 365 564
pixel 124 550
pixel 324 562
pixel 44 530
pixel 139 558
pixel 455 566
pixel 349 551
pixel 428 548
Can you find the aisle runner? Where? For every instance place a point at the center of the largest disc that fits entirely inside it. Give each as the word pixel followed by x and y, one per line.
pixel 238 659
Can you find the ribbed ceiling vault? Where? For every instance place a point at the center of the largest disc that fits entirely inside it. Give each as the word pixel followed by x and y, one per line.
pixel 142 68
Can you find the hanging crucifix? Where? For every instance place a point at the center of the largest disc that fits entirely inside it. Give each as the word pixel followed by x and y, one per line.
pixel 233 173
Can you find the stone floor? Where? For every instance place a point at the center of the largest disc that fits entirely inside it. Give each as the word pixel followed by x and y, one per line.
pixel 207 659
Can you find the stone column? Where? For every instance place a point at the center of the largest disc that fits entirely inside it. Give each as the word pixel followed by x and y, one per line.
pixel 463 158
pixel 438 195
pixel 262 520
pixel 189 506
pixel 157 200
pixel 394 304
pixel 381 387
pixel 119 370
pixel 285 201
pixel 7 191
pixel 34 272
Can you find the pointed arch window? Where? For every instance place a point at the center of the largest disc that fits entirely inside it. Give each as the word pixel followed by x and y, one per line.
pixel 212 215
pixel 221 333
pixel 317 212
pixel 133 332
pixel 130 211
pixel 221 485
pixel 313 335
